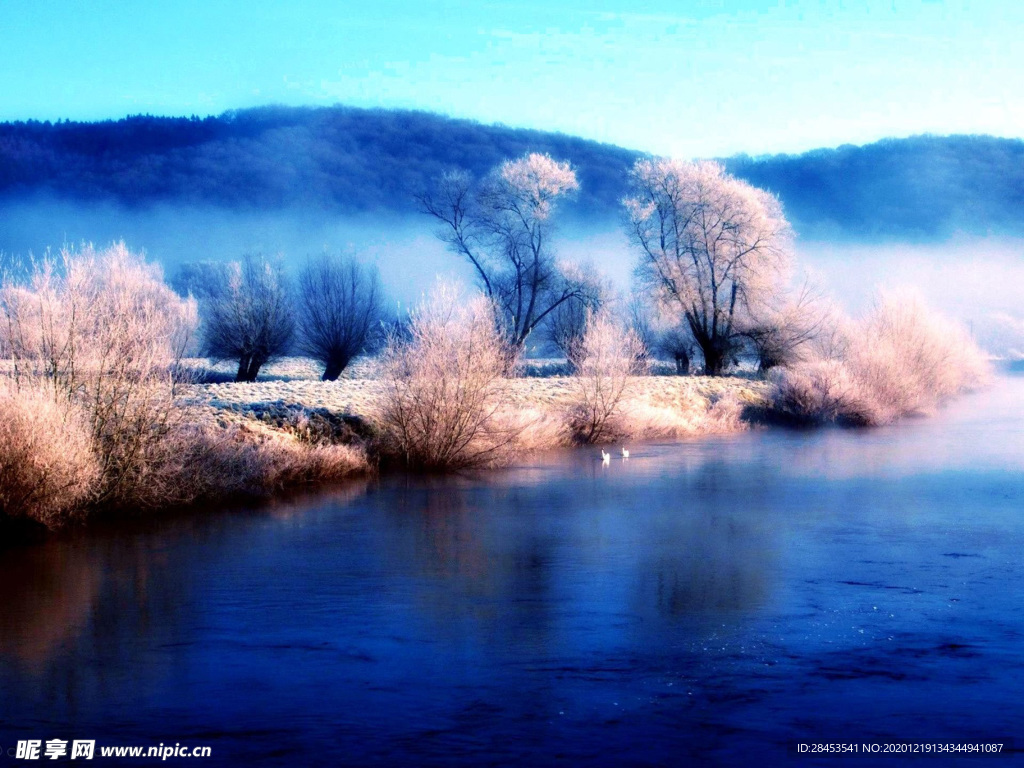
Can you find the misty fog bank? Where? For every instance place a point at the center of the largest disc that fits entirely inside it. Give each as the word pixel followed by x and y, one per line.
pixel 969 277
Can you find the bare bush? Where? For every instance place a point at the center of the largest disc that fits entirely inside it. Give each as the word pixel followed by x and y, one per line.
pixel 340 311
pixel 101 332
pixel 48 470
pixel 444 386
pixel 607 356
pixel 247 315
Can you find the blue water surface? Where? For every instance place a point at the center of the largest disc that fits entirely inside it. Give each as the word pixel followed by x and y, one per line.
pixel 706 602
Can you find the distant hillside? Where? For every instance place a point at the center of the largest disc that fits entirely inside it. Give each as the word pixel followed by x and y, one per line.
pixel 345 160
pixel 338 158
pixel 925 186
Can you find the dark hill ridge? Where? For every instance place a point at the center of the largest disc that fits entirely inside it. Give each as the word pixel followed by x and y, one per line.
pixel 339 158
pixel 346 160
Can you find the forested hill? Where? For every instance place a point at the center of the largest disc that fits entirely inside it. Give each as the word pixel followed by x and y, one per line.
pixel 346 160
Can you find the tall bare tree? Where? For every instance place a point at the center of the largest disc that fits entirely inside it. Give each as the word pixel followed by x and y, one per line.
pixel 713 248
pixel 247 315
pixel 502 226
pixel 340 310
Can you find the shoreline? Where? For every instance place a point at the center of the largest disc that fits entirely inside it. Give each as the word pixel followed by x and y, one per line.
pixel 347 411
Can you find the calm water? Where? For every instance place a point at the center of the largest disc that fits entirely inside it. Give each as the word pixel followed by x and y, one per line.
pixel 714 600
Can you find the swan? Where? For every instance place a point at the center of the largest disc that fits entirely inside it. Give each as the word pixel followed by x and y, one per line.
pixel 605 456
pixel 625 453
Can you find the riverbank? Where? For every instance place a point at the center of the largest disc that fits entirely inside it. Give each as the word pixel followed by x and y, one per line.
pixel 291 402
pixel 214 441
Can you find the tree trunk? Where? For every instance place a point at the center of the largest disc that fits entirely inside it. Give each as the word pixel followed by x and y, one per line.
pixel 682 363
pixel 248 369
pixel 243 369
pixel 334 367
pixel 716 356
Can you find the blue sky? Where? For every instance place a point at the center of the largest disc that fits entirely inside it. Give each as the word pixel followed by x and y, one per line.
pixel 682 78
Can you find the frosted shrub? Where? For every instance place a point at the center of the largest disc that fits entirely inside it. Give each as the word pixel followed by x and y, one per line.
pixel 606 357
pixel 250 460
pixel 444 385
pixel 47 467
pixel 901 359
pixel 99 332
pixel 821 391
pixel 910 358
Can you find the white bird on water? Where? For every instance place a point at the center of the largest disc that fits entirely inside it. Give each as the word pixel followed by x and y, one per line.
pixel 625 453
pixel 606 457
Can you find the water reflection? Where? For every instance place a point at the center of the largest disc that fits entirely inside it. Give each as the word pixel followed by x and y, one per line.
pixel 694 596
pixel 49 597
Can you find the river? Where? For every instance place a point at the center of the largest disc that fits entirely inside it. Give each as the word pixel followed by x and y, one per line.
pixel 717 600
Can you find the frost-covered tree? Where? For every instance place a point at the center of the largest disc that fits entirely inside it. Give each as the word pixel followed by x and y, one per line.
pixel 713 249
pixel 502 226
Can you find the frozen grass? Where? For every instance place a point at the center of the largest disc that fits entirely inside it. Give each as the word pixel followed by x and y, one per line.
pixel 537 410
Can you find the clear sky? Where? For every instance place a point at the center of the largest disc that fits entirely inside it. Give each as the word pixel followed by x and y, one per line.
pixel 682 78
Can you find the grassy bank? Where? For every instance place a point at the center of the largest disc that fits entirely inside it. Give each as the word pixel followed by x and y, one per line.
pixel 292 404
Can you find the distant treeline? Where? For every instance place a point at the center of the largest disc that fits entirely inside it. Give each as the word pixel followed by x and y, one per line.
pixel 354 160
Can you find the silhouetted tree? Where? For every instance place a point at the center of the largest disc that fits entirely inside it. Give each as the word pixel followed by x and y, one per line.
pixel 247 315
pixel 340 310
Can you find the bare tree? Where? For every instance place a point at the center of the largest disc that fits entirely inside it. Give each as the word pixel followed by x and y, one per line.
pixel 663 337
pixel 340 310
pixel 502 226
pixel 567 322
pixel 713 248
pixel 248 316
